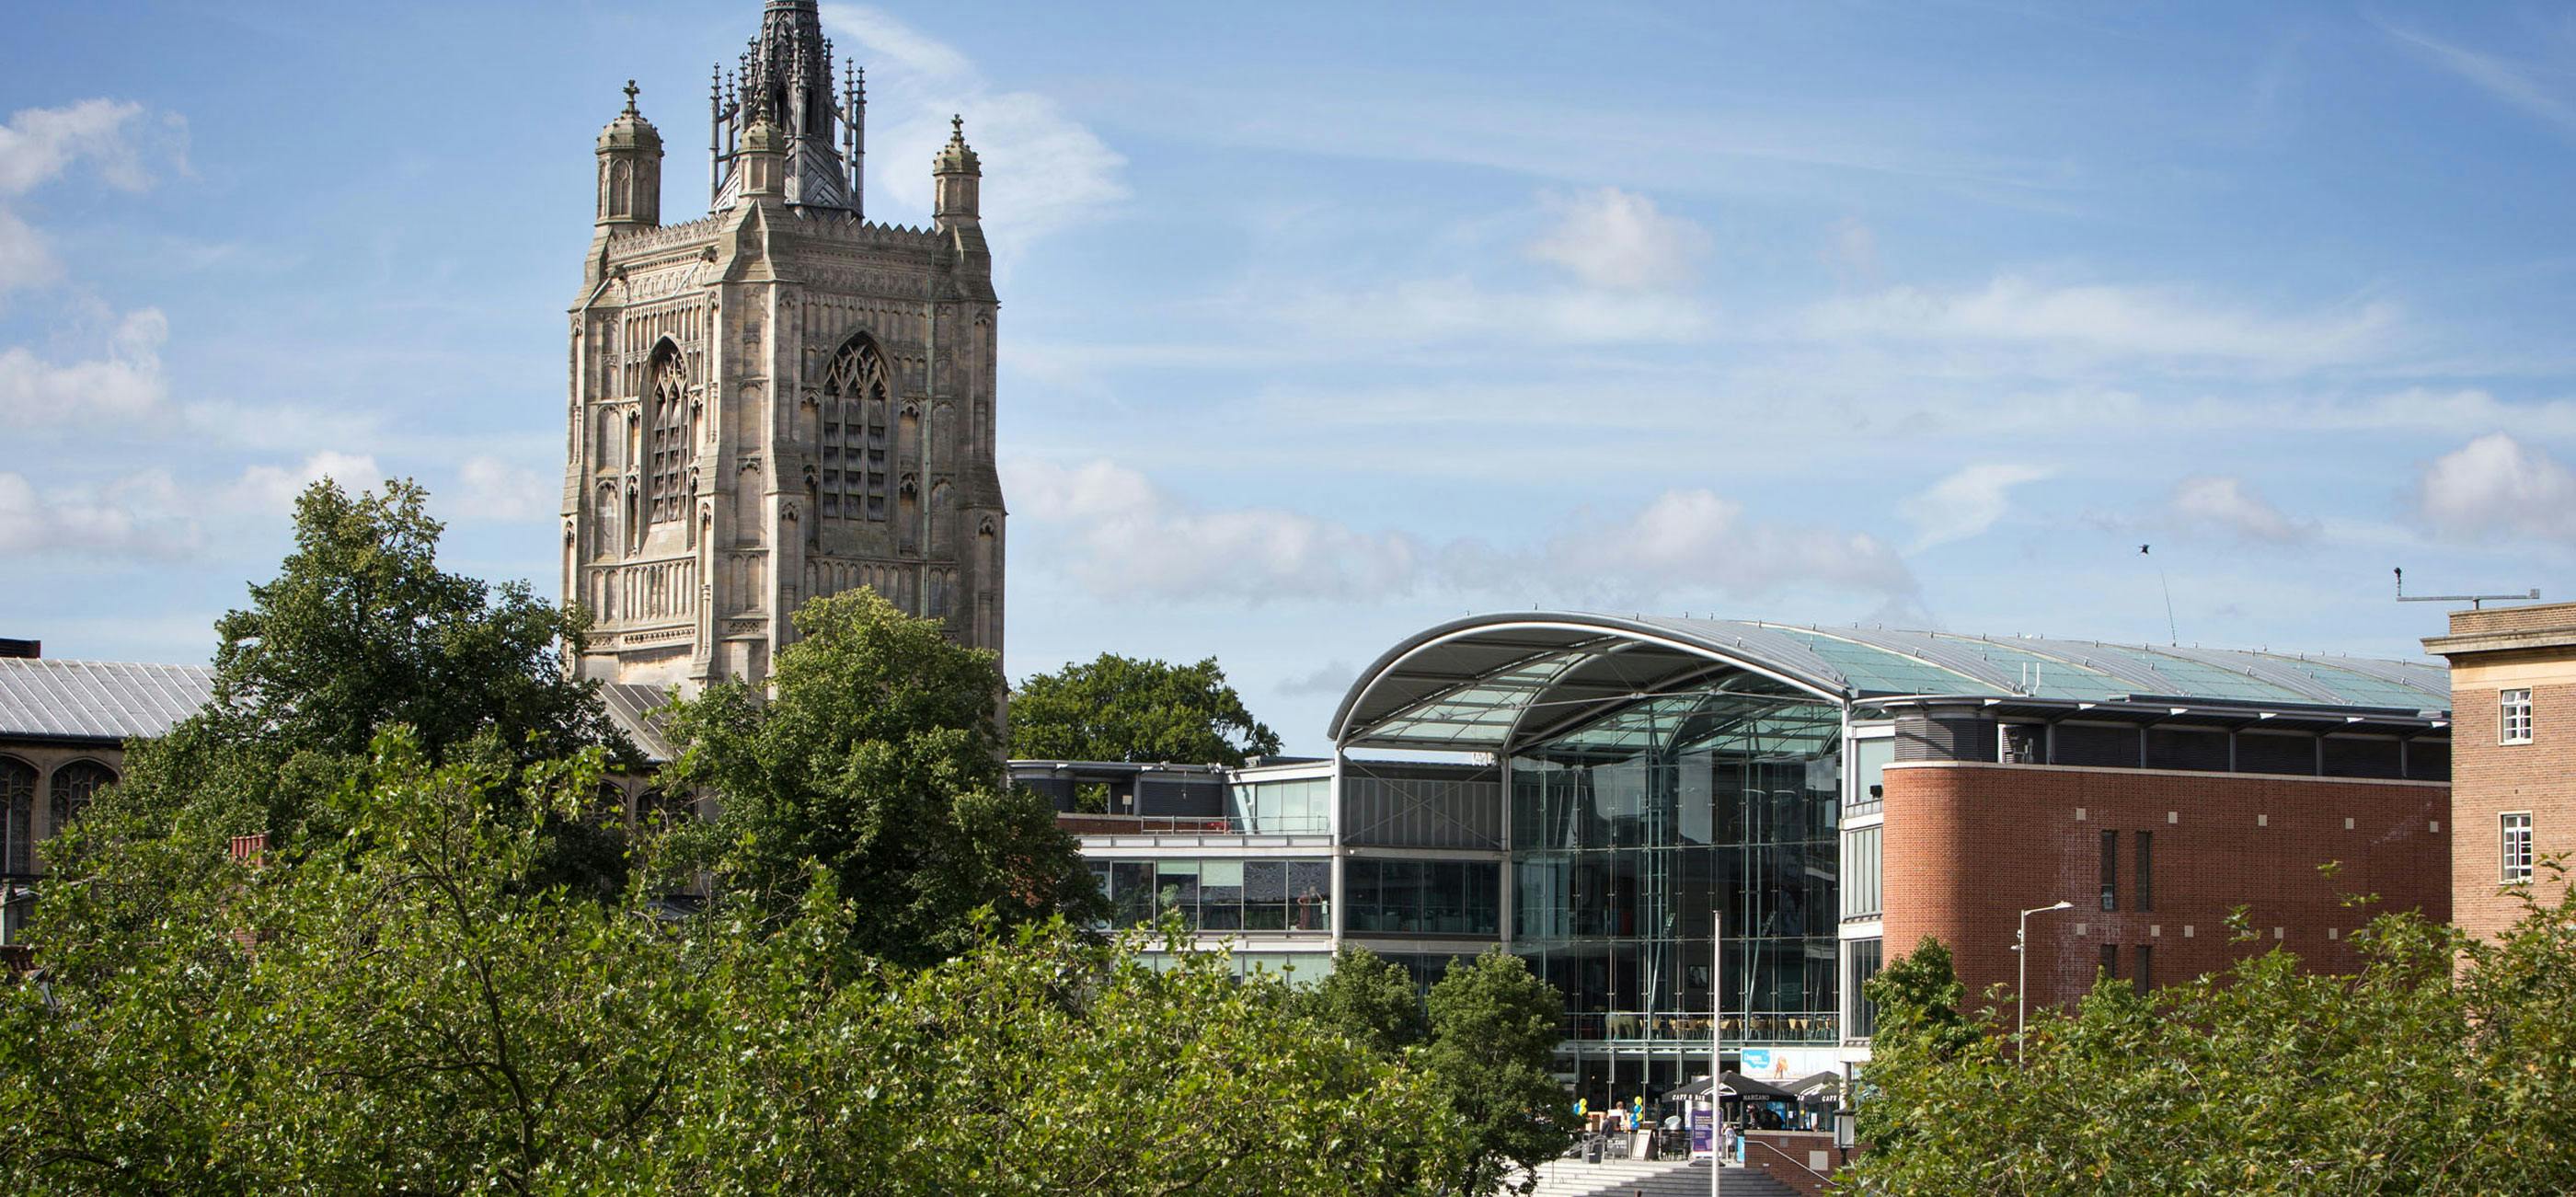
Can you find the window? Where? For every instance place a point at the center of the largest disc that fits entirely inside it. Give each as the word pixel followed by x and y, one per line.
pixel 852 435
pixel 2145 884
pixel 1861 887
pixel 667 451
pixel 1861 962
pixel 2110 870
pixel 1221 895
pixel 2517 848
pixel 1423 897
pixel 2111 961
pixel 2146 978
pixel 17 816
pixel 74 785
pixel 2513 717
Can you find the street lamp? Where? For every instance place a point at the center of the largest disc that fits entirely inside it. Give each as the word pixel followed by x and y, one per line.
pixel 2021 986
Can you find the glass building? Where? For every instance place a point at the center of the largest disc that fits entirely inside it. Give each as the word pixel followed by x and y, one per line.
pixel 1610 797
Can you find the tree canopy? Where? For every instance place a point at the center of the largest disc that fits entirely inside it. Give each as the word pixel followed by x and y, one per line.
pixel 406 1008
pixel 1122 709
pixel 1370 999
pixel 2442 1066
pixel 359 631
pixel 875 757
pixel 1494 1031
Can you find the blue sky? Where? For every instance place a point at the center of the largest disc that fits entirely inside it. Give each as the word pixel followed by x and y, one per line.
pixel 1325 322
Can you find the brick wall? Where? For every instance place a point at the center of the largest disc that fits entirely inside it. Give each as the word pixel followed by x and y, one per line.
pixel 2489 778
pixel 1968 846
pixel 2536 617
pixel 1790 1158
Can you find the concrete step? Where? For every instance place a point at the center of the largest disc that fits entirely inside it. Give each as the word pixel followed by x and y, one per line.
pixel 1643 1178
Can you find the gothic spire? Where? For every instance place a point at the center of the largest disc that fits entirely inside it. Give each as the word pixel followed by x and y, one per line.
pixel 787 71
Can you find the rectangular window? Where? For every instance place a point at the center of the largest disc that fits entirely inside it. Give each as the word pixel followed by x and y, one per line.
pixel 1862 956
pixel 1861 886
pixel 2513 716
pixel 2111 961
pixel 2517 848
pixel 2110 870
pixel 2146 978
pixel 2144 886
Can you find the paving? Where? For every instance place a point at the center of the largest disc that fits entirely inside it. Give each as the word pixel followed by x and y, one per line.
pixel 1649 1178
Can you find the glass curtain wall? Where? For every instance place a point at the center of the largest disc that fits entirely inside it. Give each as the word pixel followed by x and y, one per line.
pixel 1630 831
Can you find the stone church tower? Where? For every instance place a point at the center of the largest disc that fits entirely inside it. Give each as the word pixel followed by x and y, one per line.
pixel 782 399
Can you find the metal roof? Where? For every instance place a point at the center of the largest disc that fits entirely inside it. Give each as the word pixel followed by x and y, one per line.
pixel 97 700
pixel 1480 683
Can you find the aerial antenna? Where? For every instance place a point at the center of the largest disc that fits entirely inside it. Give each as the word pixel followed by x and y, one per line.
pixel 2476 602
pixel 2172 638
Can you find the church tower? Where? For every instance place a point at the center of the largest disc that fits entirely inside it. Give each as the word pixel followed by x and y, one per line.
pixel 781 399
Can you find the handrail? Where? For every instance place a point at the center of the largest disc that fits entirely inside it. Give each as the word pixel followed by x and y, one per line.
pixel 1751 1142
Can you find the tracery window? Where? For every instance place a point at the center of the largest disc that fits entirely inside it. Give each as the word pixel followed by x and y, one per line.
pixel 853 434
pixel 17 816
pixel 74 785
pixel 669 432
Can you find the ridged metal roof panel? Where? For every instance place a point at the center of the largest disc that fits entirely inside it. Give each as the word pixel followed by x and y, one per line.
pixel 97 700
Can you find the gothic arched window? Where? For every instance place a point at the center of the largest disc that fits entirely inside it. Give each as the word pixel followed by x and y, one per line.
pixel 74 785
pixel 668 448
pixel 17 816
pixel 853 434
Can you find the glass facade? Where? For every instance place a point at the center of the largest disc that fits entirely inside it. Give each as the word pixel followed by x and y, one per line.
pixel 1630 831
pixel 1220 895
pixel 1422 897
pixel 1300 806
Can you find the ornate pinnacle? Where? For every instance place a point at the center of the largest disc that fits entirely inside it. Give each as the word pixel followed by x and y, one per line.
pixel 631 91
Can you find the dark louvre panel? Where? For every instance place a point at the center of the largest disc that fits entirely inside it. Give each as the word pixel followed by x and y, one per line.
pixel 2182 748
pixel 2353 756
pixel 2094 744
pixel 2428 760
pixel 2262 752
pixel 1945 738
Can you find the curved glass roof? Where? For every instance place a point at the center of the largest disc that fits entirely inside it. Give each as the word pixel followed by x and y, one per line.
pixel 1483 682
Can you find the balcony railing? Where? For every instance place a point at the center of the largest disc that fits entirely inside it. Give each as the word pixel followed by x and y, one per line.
pixel 1618 1026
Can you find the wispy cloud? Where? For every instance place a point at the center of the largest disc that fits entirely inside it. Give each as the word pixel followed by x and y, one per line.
pixel 1966 503
pixel 115 388
pixel 1619 241
pixel 1120 536
pixel 138 517
pixel 1044 170
pixel 2518 85
pixel 2230 505
pixel 2106 320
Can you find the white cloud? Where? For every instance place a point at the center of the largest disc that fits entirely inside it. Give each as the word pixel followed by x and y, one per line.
pixel 1457 309
pixel 39 144
pixel 1619 241
pixel 137 517
pixel 489 488
pixel 2111 321
pixel 1852 252
pixel 2228 504
pixel 1044 170
pixel 1127 539
pixel 25 260
pixel 270 489
pixel 1132 539
pixel 1331 677
pixel 1696 541
pixel 1966 503
pixel 113 389
pixel 2495 485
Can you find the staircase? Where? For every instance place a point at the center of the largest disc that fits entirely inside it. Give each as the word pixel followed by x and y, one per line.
pixel 1649 1178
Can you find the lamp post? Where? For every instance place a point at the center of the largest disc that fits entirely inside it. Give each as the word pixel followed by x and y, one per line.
pixel 2021 985
pixel 1716 1047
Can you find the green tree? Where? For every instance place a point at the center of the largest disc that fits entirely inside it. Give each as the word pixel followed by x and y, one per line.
pixel 1491 1061
pixel 1122 709
pixel 403 1009
pixel 1370 999
pixel 361 631
pixel 875 757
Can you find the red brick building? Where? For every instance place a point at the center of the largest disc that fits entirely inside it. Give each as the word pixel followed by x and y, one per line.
pixel 2513 685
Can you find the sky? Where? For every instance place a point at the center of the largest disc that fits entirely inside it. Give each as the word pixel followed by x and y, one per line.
pixel 1324 323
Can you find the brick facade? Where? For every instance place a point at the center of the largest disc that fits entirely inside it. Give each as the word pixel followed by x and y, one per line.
pixel 2509 648
pixel 1970 845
